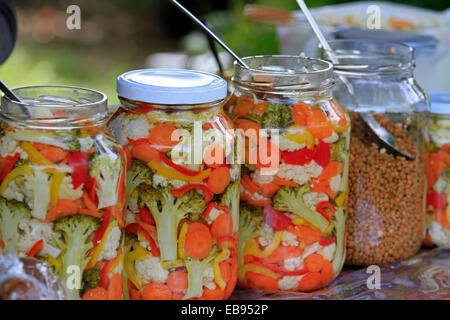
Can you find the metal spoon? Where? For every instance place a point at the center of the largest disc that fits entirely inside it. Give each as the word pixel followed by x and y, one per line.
pixel 384 137
pixel 13 97
pixel 212 47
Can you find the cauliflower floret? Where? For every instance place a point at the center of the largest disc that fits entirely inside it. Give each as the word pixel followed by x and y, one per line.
pixel 31 231
pixel 22 193
pixel 130 217
pixel 151 270
pixel 300 174
pixel 289 282
pixel 235 172
pixel 208 278
pixel 335 183
pixel 85 143
pixel 159 181
pixel 109 251
pixel 439 235
pixel 133 205
pixel 66 190
pixel 313 198
pixel 289 145
pixel 328 251
pixel 255 196
pixel 213 214
pixel 332 139
pixel 311 249
pixel 135 127
pixel 267 235
pixel 289 239
pixel 295 263
pixel 440 136
pixel 9 146
pixel 261 177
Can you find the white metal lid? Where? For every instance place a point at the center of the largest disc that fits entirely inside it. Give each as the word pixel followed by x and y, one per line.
pixel 171 86
pixel 440 102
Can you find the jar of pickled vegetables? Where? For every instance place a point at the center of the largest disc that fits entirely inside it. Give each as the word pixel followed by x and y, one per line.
pixel 438 196
pixel 294 181
pixel 182 185
pixel 386 208
pixel 62 188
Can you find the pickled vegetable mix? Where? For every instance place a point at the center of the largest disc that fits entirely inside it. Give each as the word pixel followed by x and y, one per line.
pixel 438 196
pixel 62 189
pixel 183 206
pixel 292 216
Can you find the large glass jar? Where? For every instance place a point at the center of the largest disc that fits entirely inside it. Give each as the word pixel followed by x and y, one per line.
pixel 386 208
pixel 294 181
pixel 62 188
pixel 438 196
pixel 182 185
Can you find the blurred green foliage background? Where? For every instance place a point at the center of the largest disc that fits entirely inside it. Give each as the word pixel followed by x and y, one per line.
pixel 117 36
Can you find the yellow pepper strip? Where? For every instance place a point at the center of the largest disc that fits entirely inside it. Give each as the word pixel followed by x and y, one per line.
pixel 171 264
pixel 55 262
pixel 139 253
pixel 253 248
pixel 341 129
pixel 254 268
pixel 170 173
pixel 222 256
pixel 181 241
pixel 16 172
pixel 37 158
pixel 299 221
pixel 101 245
pixel 54 187
pixel 341 199
pixel 305 136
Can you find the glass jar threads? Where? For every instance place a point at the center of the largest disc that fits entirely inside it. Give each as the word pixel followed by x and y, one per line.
pixel 62 188
pixel 182 185
pixel 294 180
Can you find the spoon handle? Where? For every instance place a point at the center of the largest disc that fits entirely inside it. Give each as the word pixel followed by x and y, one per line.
pixel 9 93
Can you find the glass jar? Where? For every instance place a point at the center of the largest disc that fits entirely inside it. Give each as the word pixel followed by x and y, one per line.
pixel 182 185
pixel 438 196
pixel 62 187
pixel 294 181
pixel 386 207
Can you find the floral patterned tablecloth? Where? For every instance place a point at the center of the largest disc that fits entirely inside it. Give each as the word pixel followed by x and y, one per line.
pixel 426 276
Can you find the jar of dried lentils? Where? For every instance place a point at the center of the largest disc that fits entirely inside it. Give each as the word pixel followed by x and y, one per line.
pixel 294 180
pixel 182 185
pixel 386 208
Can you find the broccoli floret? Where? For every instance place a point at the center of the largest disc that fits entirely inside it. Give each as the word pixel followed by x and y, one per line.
pixel 106 168
pixel 291 199
pixel 40 185
pixel 11 212
pixel 74 241
pixel 138 174
pixel 168 211
pixel 250 220
pixel 91 278
pixel 196 269
pixel 230 198
pixel 277 115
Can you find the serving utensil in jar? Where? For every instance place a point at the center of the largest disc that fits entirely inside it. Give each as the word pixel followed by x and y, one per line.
pixel 12 96
pixel 383 136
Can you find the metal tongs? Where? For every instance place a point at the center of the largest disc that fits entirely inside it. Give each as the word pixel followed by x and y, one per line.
pixel 383 136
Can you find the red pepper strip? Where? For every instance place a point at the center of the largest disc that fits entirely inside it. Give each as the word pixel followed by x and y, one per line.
pixel 89 186
pixel 280 270
pixel 327 241
pixel 437 200
pixel 36 248
pixel 322 154
pixel 225 239
pixel 206 193
pixel 101 231
pixel 177 167
pixel 298 157
pixel 212 205
pixel 276 220
pixel 326 209
pixel 146 216
pixel 138 141
pixel 135 227
pixel 79 162
pixel 7 164
pixel 106 270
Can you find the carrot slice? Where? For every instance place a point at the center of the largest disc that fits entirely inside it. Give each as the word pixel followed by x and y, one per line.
pixel 219 179
pixel 216 294
pixel 314 262
pixel 268 189
pixel 222 226
pixel 284 252
pixel 332 169
pixel 198 241
pixel 88 202
pixel 300 113
pixel 177 280
pixel 305 234
pixel 260 107
pixel 250 128
pixel 225 271
pixel 161 137
pixel 310 282
pixel 318 124
pixel 115 287
pixel 214 156
pixel 326 273
pixel 156 291
pixel 249 185
pixel 233 278
pixel 243 106
pixel 259 203
pixel 54 154
pixel 98 293
pixel 284 182
pixel 258 281
pixel 145 153
pixel 135 294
